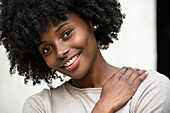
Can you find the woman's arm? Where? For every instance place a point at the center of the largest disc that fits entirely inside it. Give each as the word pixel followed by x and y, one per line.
pixel 119 89
pixel 33 104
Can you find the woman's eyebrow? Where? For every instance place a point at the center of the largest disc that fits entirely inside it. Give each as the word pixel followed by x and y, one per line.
pixel 61 26
pixel 56 31
pixel 40 43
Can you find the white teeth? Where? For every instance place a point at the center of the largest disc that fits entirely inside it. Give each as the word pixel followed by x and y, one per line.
pixel 71 61
pixel 68 63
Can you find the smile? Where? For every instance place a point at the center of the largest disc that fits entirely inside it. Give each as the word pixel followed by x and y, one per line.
pixel 70 62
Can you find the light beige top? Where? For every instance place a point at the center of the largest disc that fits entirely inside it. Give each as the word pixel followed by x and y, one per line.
pixel 152 96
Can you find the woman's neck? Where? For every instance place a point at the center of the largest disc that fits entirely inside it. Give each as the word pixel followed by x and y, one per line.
pixel 97 76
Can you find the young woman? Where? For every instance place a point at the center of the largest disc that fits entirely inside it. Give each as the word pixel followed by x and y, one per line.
pixel 45 36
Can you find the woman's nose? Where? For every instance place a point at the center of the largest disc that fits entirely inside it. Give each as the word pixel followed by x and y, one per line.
pixel 61 53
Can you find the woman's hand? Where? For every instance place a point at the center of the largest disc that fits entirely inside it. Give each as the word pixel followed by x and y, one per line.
pixel 119 89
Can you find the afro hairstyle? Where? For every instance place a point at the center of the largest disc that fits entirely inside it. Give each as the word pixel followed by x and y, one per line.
pixel 22 21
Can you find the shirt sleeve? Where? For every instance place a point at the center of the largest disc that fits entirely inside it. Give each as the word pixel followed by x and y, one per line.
pixel 33 104
pixel 152 95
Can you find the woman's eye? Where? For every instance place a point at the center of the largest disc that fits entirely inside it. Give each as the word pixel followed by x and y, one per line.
pixel 46 49
pixel 67 33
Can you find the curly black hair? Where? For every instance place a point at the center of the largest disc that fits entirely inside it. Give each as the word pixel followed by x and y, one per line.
pixel 22 21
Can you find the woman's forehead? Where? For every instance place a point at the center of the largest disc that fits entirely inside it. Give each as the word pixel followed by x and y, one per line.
pixel 71 18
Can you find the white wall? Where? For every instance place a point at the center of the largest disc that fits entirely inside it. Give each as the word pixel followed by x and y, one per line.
pixel 137 44
pixel 136 48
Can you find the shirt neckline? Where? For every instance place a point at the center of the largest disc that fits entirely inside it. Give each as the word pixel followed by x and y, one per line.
pixel 71 87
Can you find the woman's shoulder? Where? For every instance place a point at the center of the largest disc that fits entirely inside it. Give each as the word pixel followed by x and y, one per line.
pixel 41 102
pixel 153 94
pixel 48 92
pixel 156 76
pixel 155 80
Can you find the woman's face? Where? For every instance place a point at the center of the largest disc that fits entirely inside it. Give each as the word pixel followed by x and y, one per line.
pixel 70 47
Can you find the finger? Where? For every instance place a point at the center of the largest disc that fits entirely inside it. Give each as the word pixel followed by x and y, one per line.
pixel 128 73
pixel 136 69
pixel 120 72
pixel 140 79
pixel 135 75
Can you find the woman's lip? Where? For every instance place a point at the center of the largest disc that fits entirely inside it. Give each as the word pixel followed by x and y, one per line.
pixel 74 65
pixel 69 58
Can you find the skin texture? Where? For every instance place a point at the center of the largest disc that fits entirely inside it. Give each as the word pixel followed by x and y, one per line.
pixel 80 40
pixel 61 42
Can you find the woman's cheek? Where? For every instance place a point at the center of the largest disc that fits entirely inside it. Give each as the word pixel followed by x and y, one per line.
pixel 79 40
pixel 51 61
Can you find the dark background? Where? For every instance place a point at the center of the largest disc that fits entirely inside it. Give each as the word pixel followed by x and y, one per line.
pixel 163 36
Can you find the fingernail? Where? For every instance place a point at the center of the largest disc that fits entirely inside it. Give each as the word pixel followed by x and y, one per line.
pixel 146 73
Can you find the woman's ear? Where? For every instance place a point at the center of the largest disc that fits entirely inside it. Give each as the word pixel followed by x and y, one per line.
pixel 93 26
